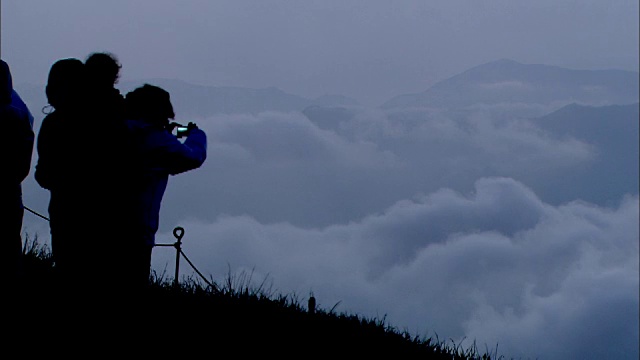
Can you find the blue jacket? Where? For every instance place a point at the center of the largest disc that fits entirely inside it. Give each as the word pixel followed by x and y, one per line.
pixel 17 101
pixel 157 154
pixel 17 144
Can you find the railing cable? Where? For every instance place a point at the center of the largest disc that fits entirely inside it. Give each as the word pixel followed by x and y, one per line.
pixel 36 213
pixel 178 232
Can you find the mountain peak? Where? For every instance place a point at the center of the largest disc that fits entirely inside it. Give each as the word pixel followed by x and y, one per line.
pixel 503 61
pixel 500 65
pixel 507 81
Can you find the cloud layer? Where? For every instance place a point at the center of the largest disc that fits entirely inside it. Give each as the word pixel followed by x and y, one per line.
pixel 284 167
pixel 497 266
pixel 432 220
pixel 423 217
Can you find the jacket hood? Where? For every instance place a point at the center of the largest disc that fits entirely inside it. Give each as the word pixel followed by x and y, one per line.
pixel 6 84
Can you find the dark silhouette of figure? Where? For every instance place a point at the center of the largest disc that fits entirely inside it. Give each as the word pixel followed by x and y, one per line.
pixel 58 169
pixel 156 154
pixel 106 165
pixel 83 162
pixel 17 147
pixel 103 72
pixel 108 172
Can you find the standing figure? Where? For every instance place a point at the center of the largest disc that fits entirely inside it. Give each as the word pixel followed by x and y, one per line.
pixel 59 169
pixel 17 148
pixel 157 154
pixel 107 171
pixel 106 166
pixel 83 160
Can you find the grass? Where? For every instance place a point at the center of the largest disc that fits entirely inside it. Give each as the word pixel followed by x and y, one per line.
pixel 209 319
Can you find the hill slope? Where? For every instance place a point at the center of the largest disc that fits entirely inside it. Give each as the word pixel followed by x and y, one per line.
pixel 196 320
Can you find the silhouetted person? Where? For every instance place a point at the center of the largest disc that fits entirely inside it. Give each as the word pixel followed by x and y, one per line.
pixel 103 72
pixel 105 118
pixel 108 171
pixel 17 148
pixel 83 162
pixel 157 154
pixel 59 169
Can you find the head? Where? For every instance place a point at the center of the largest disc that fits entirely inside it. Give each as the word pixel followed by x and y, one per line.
pixel 151 104
pixel 6 84
pixel 103 69
pixel 65 83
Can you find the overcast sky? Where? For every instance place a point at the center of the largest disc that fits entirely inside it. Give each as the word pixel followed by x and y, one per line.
pixel 370 50
pixel 438 222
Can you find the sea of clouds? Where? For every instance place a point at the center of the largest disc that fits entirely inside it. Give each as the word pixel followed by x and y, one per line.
pixel 429 220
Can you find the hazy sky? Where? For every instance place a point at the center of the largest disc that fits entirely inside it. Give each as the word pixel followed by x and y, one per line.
pixel 441 222
pixel 370 50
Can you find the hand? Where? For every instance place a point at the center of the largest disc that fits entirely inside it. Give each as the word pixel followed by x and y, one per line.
pixel 191 126
pixel 171 126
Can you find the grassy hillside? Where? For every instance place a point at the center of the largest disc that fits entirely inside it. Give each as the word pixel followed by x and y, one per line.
pixel 204 319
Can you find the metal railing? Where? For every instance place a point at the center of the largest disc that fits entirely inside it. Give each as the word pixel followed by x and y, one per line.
pixel 178 233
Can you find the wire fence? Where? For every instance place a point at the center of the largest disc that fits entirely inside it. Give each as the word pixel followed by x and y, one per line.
pixel 178 233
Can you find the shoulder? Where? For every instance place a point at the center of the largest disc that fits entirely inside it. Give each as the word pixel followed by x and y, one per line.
pixel 52 123
pixel 138 126
pixel 59 118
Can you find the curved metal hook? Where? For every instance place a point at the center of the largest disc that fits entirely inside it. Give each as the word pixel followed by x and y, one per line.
pixel 178 232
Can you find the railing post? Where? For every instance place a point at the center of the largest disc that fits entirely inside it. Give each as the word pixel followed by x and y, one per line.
pixel 178 232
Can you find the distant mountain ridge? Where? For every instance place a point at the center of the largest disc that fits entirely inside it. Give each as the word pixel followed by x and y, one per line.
pixel 191 100
pixel 498 82
pixel 614 132
pixel 202 101
pixel 508 81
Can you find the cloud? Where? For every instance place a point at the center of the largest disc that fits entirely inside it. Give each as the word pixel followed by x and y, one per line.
pixel 282 167
pixel 434 219
pixel 278 167
pixel 273 137
pixel 496 265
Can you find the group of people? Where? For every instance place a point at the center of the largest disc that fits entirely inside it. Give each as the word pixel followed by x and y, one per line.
pixel 105 159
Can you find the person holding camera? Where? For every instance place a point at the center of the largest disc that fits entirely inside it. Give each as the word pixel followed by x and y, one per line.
pixel 156 154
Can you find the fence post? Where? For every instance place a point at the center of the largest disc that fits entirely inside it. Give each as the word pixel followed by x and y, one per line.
pixel 178 232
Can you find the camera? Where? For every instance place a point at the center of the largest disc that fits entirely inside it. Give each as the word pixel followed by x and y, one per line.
pixel 182 131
